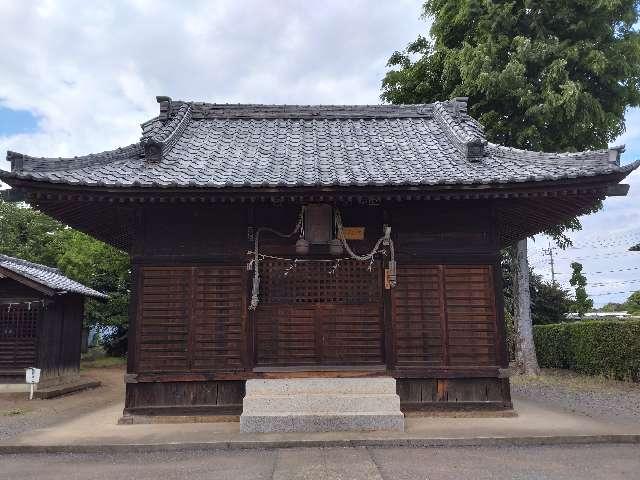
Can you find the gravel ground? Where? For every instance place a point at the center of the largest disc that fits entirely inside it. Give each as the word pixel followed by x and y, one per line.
pixel 596 397
pixel 19 415
pixel 593 462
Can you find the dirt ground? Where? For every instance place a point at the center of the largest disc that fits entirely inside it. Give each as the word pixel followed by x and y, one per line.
pixel 609 400
pixel 596 397
pixel 18 414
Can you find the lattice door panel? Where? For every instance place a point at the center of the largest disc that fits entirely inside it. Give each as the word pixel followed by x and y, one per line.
pixel 18 335
pixel 318 314
pixel 350 282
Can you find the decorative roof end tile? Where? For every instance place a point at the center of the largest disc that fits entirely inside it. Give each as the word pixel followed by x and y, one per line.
pixel 459 105
pixel 614 154
pixel 165 106
pixel 17 161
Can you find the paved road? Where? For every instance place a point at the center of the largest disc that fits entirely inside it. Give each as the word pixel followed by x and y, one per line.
pixel 611 462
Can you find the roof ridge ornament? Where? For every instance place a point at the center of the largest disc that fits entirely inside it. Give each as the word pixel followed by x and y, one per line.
pixel 615 152
pixel 166 105
pixel 459 105
pixel 463 132
pixel 17 161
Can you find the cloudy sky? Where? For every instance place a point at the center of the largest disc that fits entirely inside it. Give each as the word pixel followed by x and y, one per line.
pixel 78 77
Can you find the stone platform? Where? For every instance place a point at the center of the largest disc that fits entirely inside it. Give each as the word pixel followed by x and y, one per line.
pixel 321 405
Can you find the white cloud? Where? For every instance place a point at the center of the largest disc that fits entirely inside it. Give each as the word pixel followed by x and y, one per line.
pixel 90 70
pixel 601 246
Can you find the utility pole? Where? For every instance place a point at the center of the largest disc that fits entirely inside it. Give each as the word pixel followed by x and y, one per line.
pixel 549 251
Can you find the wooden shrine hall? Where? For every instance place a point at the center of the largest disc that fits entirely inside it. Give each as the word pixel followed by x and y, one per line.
pixel 315 242
pixel 41 320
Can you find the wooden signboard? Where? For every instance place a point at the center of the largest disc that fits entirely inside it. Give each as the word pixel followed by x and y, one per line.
pixel 353 233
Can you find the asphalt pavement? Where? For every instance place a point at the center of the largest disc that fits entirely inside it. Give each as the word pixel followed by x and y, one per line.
pixel 611 462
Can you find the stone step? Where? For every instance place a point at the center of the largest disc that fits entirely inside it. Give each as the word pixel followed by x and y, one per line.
pixel 317 403
pixel 321 423
pixel 290 386
pixel 320 405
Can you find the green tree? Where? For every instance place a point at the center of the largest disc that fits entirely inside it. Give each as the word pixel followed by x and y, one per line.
pixel 28 234
pixel 632 305
pixel 549 302
pixel 612 307
pixel 102 267
pixel 582 303
pixel 31 235
pixel 539 74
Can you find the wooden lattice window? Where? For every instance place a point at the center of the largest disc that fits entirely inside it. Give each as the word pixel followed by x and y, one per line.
pixel 350 282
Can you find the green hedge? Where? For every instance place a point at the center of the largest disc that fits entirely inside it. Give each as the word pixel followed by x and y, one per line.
pixel 602 347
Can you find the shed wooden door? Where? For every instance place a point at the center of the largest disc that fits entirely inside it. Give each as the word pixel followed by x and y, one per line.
pixel 318 314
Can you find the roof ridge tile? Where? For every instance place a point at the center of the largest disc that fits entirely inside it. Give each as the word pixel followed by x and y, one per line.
pixel 464 132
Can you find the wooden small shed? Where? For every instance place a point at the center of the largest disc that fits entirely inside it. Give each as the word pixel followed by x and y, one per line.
pixel 278 241
pixel 41 315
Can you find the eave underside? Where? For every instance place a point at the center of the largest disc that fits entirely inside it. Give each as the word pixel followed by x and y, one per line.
pixel 519 211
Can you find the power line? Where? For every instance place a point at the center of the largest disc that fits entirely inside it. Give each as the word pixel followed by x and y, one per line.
pixel 617 245
pixel 603 255
pixel 603 241
pixel 610 293
pixel 604 271
pixel 601 284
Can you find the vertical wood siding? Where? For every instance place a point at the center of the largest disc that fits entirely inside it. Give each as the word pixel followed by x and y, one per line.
pixel 191 319
pixel 444 315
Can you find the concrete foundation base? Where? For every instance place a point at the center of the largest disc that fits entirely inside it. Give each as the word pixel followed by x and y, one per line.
pixel 321 405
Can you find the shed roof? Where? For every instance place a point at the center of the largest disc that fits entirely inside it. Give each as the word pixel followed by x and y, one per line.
pixel 227 146
pixel 48 277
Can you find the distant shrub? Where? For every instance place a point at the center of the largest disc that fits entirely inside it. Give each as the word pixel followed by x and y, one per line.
pixel 601 347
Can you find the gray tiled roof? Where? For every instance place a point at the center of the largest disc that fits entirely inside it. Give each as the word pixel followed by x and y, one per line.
pixel 47 276
pixel 211 145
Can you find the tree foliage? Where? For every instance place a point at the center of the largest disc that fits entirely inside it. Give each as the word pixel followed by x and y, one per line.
pixel 632 305
pixel 582 303
pixel 549 302
pixel 33 236
pixel 612 307
pixel 540 74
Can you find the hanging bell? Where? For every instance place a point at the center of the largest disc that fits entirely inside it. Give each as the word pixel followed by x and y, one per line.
pixel 335 247
pixel 302 246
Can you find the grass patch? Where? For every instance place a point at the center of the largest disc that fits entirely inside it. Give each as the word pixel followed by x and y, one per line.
pixel 103 362
pixel 14 412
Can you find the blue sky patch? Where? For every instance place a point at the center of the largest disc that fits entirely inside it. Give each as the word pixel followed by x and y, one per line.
pixel 17 121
